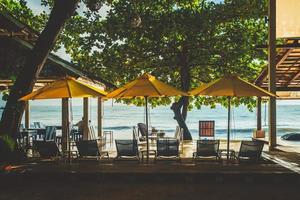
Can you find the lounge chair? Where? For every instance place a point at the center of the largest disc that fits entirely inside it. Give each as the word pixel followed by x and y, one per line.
pixel 77 134
pixel 142 130
pixel 50 133
pixel 46 149
pixel 47 134
pixel 167 149
pixel 38 125
pixel 139 139
pixel 127 150
pixel 94 135
pixel 178 134
pixel 250 150
pixel 91 148
pixel 207 148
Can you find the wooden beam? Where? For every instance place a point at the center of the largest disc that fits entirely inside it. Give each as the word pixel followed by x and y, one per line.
pixel 264 74
pixel 27 115
pixel 287 89
pixel 272 72
pixel 280 46
pixel 86 134
pixel 293 78
pixel 65 126
pixel 258 113
pixel 100 116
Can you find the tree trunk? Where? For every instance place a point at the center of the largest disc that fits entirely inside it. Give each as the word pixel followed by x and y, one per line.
pixel 180 108
pixel 12 114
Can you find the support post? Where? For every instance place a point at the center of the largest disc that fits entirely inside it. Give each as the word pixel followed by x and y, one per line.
pixel 86 118
pixel 100 116
pixel 258 113
pixel 65 125
pixel 27 115
pixel 147 131
pixel 228 127
pixel 272 72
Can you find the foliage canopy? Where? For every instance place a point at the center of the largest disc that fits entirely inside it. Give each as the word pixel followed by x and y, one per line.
pixel 165 38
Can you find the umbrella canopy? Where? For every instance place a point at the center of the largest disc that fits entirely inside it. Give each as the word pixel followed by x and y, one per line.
pixel 230 86
pixel 67 87
pixel 145 86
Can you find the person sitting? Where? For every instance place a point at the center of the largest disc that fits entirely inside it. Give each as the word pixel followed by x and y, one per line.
pixel 80 131
pixel 80 125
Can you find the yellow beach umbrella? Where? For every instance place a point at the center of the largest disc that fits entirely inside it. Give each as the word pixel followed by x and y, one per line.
pixel 145 86
pixel 67 87
pixel 230 86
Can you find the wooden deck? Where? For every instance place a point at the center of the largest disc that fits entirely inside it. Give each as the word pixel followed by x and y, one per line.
pixel 275 162
pixel 106 179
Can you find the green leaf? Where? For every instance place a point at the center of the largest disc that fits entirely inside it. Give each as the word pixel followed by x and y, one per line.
pixel 9 141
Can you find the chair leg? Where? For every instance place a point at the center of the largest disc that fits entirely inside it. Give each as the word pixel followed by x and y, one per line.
pixel 179 160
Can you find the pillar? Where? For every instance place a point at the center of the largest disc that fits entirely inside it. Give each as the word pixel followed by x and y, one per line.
pixel 100 116
pixel 86 118
pixel 258 113
pixel 65 125
pixel 272 72
pixel 27 115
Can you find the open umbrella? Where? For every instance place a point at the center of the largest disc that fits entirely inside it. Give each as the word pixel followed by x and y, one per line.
pixel 230 86
pixel 67 87
pixel 145 86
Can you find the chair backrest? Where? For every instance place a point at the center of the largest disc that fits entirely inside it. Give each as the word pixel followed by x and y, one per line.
pixel 207 147
pixel 38 125
pixel 88 148
pixel 22 127
pixel 46 149
pixel 251 149
pixel 127 147
pixel 142 129
pixel 135 133
pixel 50 133
pixel 206 129
pixel 178 133
pixel 167 147
pixel 92 132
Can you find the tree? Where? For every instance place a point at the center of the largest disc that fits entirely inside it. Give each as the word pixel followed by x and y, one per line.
pixel 183 43
pixel 12 114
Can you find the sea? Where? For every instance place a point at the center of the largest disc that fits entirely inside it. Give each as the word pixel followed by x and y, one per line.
pixel 121 118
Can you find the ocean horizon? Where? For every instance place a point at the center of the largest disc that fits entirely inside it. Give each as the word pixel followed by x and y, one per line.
pixel 120 118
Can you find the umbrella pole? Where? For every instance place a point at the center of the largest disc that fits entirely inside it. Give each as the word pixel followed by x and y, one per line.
pixel 228 129
pixel 146 103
